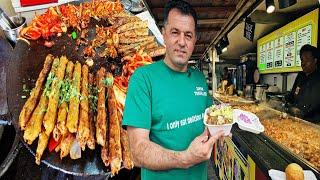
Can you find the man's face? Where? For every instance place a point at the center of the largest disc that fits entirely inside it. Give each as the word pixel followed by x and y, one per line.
pixel 180 37
pixel 308 62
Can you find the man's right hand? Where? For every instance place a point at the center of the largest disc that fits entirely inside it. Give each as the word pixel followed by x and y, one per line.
pixel 200 148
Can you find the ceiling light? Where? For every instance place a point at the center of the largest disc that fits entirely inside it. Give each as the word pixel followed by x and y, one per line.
pixel 224 43
pixel 286 3
pixel 270 6
pixel 224 49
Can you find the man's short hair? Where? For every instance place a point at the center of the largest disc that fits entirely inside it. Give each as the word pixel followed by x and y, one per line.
pixel 184 7
pixel 309 48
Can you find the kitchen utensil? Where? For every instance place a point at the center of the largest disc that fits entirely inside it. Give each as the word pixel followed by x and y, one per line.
pixel 260 89
pixel 13 34
pixel 5 18
pixel 248 92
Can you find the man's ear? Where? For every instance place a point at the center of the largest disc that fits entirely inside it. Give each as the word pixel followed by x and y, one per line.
pixel 195 41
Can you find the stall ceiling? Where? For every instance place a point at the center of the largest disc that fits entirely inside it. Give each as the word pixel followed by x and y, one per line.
pixel 212 16
pixel 265 23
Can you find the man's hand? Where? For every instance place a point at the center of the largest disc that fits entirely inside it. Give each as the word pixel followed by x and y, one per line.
pixel 200 148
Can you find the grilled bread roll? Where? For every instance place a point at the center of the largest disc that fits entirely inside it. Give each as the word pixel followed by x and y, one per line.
pixel 294 172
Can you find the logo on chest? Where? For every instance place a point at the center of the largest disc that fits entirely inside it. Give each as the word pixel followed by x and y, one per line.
pixel 199 91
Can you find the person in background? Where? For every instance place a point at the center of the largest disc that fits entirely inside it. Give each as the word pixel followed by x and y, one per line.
pixel 165 104
pixel 226 82
pixel 304 99
pixel 226 76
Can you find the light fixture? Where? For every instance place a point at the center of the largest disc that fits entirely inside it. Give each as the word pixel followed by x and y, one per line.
pixel 224 49
pixel 286 3
pixel 224 43
pixel 270 6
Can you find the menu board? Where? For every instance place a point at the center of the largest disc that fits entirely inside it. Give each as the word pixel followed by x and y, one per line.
pixel 269 55
pixel 303 37
pixel 279 51
pixel 263 54
pixel 289 49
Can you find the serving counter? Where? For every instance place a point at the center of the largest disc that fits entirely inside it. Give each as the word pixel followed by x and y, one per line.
pixel 286 139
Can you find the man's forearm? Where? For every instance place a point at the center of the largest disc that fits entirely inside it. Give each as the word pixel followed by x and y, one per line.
pixel 152 156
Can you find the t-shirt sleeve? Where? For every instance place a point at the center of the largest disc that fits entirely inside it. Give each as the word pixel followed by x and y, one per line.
pixel 137 111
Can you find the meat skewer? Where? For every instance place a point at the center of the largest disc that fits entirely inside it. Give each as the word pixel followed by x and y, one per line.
pixel 104 156
pixel 60 128
pixel 33 127
pixel 50 116
pixel 42 144
pixel 31 103
pixel 101 123
pixel 83 129
pixel 132 25
pixel 66 144
pixel 91 139
pixel 115 153
pixel 126 153
pixel 73 114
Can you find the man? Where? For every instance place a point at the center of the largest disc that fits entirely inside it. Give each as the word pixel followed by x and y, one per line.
pixel 304 99
pixel 226 80
pixel 226 76
pixel 165 104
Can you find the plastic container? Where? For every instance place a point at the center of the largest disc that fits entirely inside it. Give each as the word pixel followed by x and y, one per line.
pixel 246 121
pixel 226 128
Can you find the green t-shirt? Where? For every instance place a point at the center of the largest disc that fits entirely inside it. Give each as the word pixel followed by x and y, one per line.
pixel 171 105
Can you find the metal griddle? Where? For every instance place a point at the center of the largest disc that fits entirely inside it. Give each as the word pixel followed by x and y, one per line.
pixel 24 67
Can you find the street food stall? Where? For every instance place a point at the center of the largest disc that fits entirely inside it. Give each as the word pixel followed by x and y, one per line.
pixel 286 138
pixel 77 58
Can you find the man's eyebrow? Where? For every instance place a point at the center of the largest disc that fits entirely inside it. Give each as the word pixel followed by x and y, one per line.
pixel 176 29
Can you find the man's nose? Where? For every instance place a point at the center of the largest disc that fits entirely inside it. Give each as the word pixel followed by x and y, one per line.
pixel 182 40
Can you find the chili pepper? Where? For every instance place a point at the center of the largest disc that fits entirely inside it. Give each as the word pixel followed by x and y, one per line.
pixel 52 144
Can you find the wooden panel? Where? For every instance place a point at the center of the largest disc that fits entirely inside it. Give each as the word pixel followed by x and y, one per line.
pixel 197 3
pixel 216 10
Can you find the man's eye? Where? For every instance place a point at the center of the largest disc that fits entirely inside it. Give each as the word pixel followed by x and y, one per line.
pixel 189 36
pixel 174 32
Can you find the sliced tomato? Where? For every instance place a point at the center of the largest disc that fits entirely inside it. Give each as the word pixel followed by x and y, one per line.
pixel 32 34
pixel 56 28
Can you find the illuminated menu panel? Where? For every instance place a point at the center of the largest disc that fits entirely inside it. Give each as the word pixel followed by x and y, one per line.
pixel 279 51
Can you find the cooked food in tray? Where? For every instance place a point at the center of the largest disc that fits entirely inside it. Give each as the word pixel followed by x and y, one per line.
pixel 220 114
pixel 70 109
pixel 302 138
